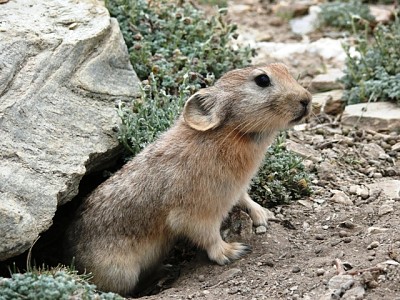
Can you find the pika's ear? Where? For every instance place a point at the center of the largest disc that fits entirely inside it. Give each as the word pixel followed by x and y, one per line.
pixel 200 111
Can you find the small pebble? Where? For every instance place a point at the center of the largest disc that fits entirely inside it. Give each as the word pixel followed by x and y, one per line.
pixel 347 224
pixel 377 175
pixel 390 172
pixel 353 189
pixel 375 230
pixel 296 269
pixel 372 284
pixel 269 263
pixel 347 239
pixel 320 272
pixel 261 229
pixel 319 237
pixel 343 233
pixel 373 245
pixel 385 209
pixel 371 258
pixel 201 278
pixel 206 292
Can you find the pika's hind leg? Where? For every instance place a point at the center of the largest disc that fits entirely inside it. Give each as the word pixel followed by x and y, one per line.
pixel 258 214
pixel 205 233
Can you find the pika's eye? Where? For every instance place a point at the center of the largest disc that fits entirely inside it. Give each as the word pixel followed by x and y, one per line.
pixel 262 80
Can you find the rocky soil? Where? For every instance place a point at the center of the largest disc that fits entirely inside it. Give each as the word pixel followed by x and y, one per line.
pixel 343 242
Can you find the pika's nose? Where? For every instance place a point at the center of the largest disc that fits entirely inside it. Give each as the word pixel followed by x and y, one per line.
pixel 305 102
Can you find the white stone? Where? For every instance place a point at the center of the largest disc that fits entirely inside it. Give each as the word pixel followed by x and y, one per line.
pixel 396 147
pixel 336 282
pixel 382 14
pixel 375 116
pixel 261 229
pixel 341 198
pixel 376 230
pixel 390 188
pixel 306 24
pixel 328 81
pixel 385 209
pixel 327 48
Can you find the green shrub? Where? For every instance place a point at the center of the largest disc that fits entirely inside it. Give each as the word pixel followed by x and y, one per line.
pixel 50 285
pixel 374 75
pixel 345 15
pixel 282 177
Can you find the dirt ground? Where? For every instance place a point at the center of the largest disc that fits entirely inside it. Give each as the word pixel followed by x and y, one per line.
pixel 343 242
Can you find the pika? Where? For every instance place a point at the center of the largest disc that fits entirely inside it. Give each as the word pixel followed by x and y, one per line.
pixel 186 182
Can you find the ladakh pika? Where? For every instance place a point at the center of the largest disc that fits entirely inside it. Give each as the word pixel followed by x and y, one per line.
pixel 186 182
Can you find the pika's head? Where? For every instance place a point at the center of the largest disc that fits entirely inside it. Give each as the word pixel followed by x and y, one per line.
pixel 252 100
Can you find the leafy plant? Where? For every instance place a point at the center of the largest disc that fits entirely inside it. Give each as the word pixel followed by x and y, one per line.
pixel 282 177
pixel 374 74
pixel 345 14
pixel 58 283
pixel 175 50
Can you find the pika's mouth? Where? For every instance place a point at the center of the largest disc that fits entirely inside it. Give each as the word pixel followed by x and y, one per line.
pixel 303 114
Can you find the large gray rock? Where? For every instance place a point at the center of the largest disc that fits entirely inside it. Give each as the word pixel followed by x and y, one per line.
pixel 63 64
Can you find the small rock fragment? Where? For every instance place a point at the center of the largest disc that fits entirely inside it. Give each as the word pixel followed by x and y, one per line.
pixel 296 269
pixel 353 189
pixel 341 198
pixel 228 274
pixel 325 170
pixel 320 272
pixel 328 81
pixel 385 209
pixel 336 282
pixel 347 239
pixel 381 14
pixel 396 147
pixel 347 224
pixel 373 245
pixel 363 191
pixel 357 292
pixel 375 230
pixel 390 188
pixel 261 229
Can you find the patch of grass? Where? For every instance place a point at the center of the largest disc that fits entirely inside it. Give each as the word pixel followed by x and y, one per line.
pixel 282 178
pixel 55 284
pixel 374 74
pixel 345 14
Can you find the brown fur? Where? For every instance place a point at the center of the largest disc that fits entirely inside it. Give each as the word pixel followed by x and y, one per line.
pixel 186 182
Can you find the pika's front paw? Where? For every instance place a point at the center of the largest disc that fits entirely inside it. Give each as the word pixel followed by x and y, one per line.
pixel 260 215
pixel 224 253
